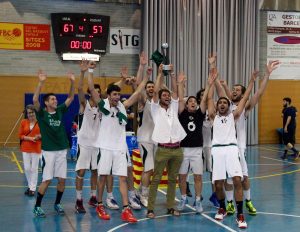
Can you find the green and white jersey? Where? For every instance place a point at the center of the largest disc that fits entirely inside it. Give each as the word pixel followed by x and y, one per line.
pixel 54 136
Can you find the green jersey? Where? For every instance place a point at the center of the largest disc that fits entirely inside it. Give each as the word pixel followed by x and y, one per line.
pixel 54 136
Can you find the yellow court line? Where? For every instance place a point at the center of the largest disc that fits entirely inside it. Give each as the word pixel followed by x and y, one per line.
pixel 17 162
pixel 277 174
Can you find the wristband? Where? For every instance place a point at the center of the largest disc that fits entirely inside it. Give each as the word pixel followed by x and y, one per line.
pixel 90 70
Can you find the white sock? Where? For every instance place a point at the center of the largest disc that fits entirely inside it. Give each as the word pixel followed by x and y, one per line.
pixel 79 194
pixel 183 197
pixel 93 192
pixel 229 195
pixel 247 194
pixel 110 195
pixel 131 193
pixel 145 190
pixel 198 198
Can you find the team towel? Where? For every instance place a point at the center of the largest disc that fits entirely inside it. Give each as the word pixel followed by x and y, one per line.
pixel 104 107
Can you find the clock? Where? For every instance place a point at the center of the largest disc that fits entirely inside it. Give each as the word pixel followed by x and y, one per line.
pixel 80 33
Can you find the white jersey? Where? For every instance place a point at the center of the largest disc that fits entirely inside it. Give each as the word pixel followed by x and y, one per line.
pixel 144 133
pixel 224 130
pixel 112 133
pixel 240 128
pixel 89 133
pixel 206 131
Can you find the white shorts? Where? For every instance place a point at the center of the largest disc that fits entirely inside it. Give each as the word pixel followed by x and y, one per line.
pixel 54 164
pixel 226 163
pixel 242 153
pixel 207 165
pixel 87 158
pixel 112 162
pixel 192 160
pixel 147 151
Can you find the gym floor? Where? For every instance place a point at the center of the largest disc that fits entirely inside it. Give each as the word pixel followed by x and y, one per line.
pixel 274 189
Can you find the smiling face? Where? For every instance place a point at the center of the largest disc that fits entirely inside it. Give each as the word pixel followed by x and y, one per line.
pixel 237 93
pixel 51 103
pixel 223 106
pixel 165 98
pixel 150 90
pixel 31 115
pixel 114 98
pixel 191 104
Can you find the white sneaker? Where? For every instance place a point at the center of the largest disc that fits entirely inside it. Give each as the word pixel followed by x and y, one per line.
pixel 220 214
pixel 198 206
pixel 134 203
pixel 242 224
pixel 144 200
pixel 181 204
pixel 111 203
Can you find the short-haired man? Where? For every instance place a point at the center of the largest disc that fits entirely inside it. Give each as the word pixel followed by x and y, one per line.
pixel 54 142
pixel 167 133
pixel 113 146
pixel 289 128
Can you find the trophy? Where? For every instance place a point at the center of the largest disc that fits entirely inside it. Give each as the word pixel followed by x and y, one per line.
pixel 163 58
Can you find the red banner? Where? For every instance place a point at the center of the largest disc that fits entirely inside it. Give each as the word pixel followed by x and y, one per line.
pixel 37 37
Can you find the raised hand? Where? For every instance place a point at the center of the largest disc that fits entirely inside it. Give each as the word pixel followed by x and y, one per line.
pixel 271 66
pixel 143 59
pixel 160 68
pixel 254 75
pixel 124 72
pixel 181 78
pixel 92 64
pixel 223 82
pixel 42 76
pixel 149 71
pixel 212 58
pixel 71 76
pixel 83 64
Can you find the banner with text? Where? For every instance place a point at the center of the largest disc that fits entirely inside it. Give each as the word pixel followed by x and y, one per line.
pixel 25 36
pixel 124 41
pixel 283 43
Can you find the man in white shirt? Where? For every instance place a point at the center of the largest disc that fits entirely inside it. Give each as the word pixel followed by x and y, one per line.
pixel 167 133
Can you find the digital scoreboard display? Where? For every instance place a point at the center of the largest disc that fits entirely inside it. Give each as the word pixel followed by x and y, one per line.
pixel 80 33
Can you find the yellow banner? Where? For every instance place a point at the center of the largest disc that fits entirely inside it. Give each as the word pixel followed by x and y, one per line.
pixel 11 36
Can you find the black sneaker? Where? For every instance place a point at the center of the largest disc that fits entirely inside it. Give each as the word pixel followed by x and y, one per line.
pixel 79 207
pixel 27 192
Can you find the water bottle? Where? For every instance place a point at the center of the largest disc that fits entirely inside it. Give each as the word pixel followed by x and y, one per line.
pixel 73 150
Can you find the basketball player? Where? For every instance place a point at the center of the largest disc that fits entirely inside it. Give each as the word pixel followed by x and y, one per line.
pixel 54 142
pixel 225 152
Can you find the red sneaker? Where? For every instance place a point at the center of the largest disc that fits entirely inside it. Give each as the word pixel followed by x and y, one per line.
pixel 101 212
pixel 242 224
pixel 93 201
pixel 127 216
pixel 79 207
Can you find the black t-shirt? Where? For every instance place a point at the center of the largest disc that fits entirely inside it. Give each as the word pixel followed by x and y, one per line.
pixel 192 124
pixel 290 111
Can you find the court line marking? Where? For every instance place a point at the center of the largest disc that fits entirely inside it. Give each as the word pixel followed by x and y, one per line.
pixel 145 219
pixel 14 159
pixel 279 160
pixel 279 214
pixel 204 215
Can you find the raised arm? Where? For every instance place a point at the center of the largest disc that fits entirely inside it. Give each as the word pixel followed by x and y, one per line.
pixel 181 85
pixel 83 68
pixel 42 77
pixel 174 88
pixel 210 81
pixel 141 69
pixel 94 94
pixel 70 97
pixel 210 103
pixel 244 99
pixel 158 82
pixel 270 67
pixel 142 96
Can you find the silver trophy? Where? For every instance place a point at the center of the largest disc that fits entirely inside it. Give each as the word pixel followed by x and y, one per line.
pixel 165 53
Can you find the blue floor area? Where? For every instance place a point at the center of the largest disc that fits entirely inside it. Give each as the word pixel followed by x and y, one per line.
pixel 274 189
